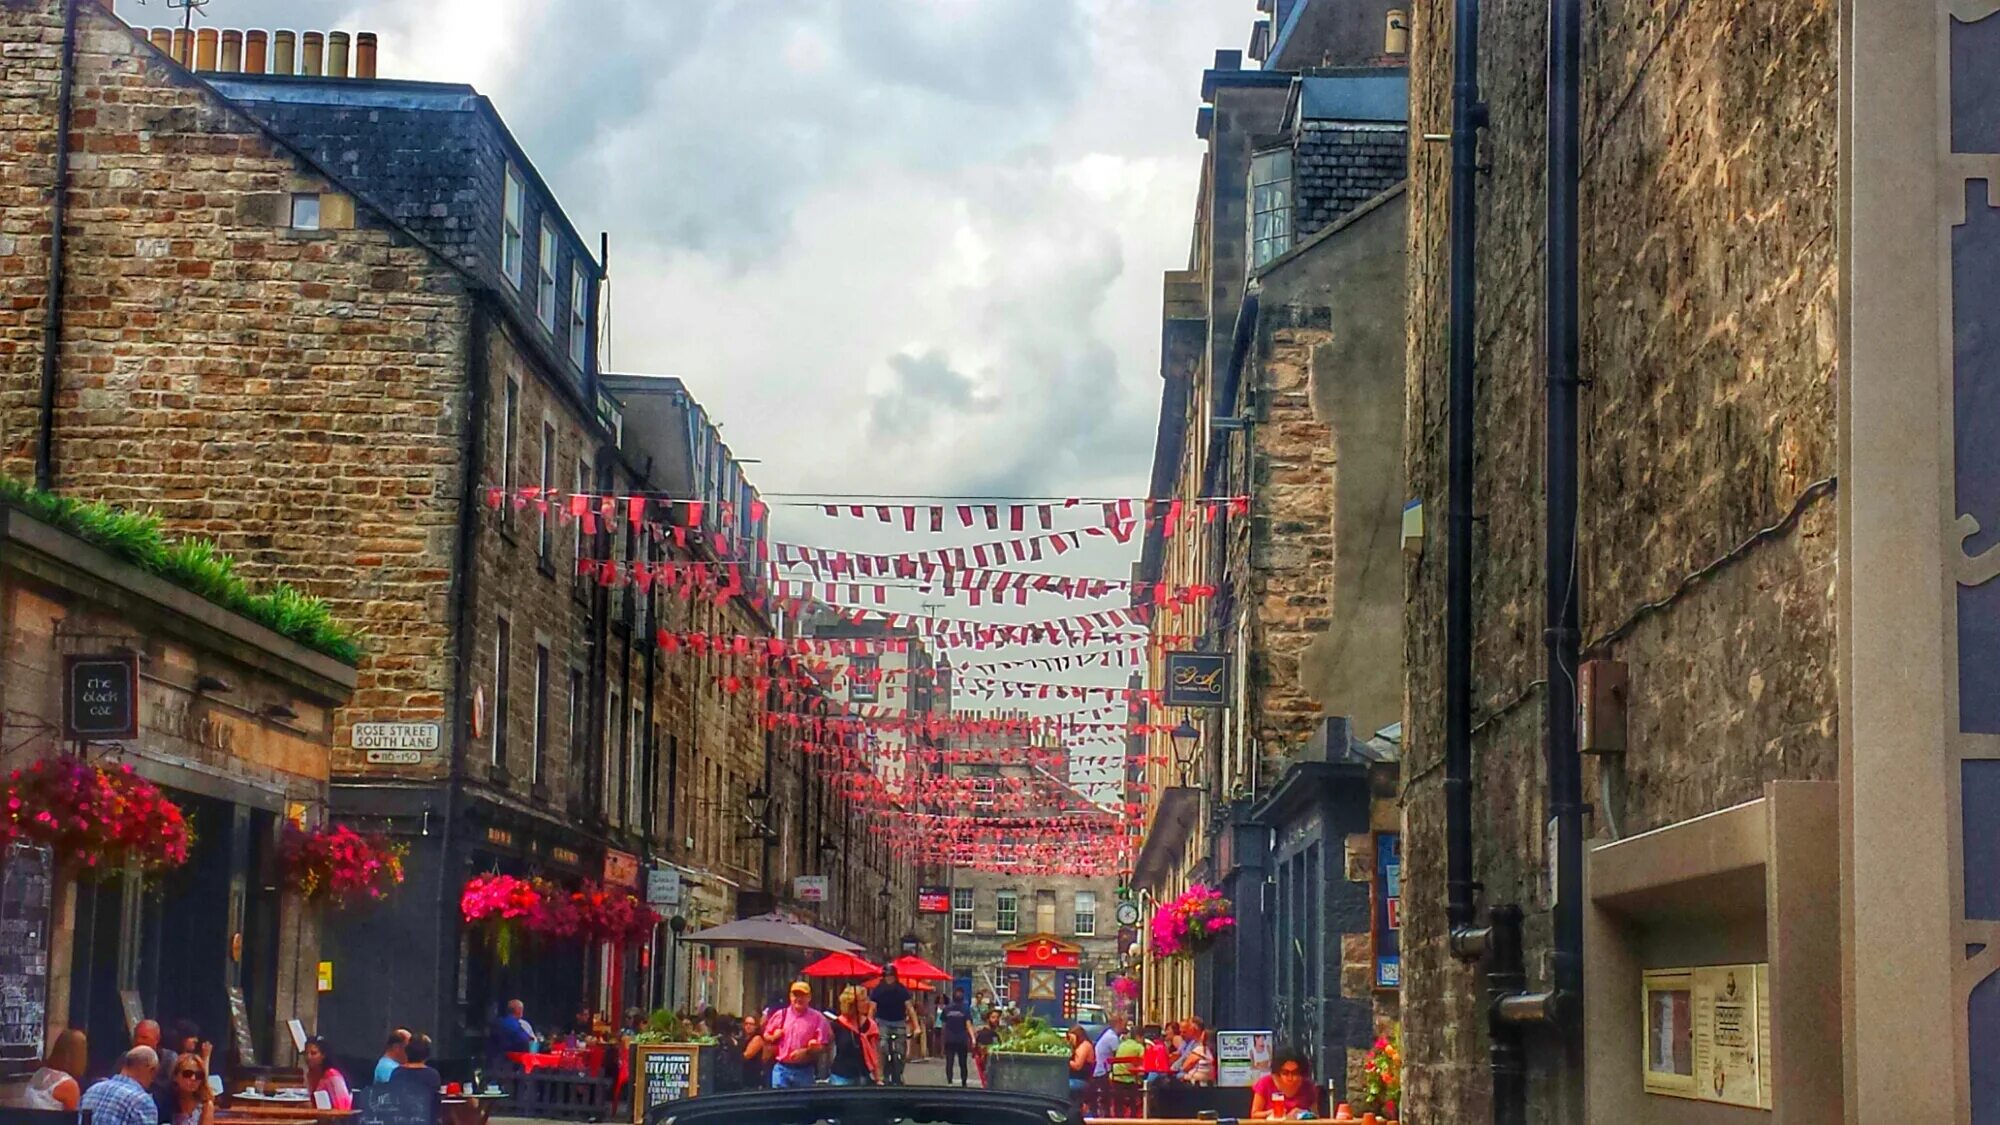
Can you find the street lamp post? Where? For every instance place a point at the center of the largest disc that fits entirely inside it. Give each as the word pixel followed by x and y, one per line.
pixel 1187 748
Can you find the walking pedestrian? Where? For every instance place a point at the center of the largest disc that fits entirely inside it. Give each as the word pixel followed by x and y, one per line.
pixel 987 1038
pixel 801 1033
pixel 892 1011
pixel 955 1023
pixel 856 1059
pixel 758 1054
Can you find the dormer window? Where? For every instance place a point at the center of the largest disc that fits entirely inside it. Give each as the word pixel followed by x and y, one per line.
pixel 514 220
pixel 545 282
pixel 1270 205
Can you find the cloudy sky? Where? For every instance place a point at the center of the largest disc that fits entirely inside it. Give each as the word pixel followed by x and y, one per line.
pixel 893 245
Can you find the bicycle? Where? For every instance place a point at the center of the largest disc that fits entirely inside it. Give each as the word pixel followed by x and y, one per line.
pixel 895 1051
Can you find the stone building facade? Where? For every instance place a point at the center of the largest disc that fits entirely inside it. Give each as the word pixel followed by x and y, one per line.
pixel 1709 350
pixel 342 328
pixel 1282 372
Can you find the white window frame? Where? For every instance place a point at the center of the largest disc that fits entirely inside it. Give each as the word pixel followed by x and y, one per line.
pixel 544 541
pixel 545 281
pixel 1080 915
pixel 579 317
pixel 513 227
pixel 1007 912
pixel 961 910
pixel 1086 987
pixel 306 210
pixel 1263 177
pixel 541 715
pixel 503 637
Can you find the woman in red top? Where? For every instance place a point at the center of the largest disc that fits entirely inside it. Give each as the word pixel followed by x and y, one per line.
pixel 1287 1091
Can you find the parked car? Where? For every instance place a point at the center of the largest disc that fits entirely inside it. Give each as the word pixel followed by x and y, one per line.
pixel 869 1105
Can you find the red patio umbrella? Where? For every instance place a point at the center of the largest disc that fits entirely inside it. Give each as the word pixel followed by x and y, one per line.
pixel 912 968
pixel 842 965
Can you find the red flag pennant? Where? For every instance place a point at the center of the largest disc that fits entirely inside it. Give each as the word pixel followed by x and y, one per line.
pixel 965 515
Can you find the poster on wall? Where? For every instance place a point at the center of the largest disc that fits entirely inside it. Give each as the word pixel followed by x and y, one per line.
pixel 1388 896
pixel 1707 1031
pixel 1241 1057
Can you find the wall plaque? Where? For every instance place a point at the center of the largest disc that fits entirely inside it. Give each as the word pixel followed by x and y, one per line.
pixel 1197 679
pixel 1708 1034
pixel 101 697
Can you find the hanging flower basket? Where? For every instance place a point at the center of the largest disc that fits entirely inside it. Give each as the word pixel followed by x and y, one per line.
pixel 1192 922
pixel 613 915
pixel 100 818
pixel 1125 988
pixel 502 902
pixel 340 866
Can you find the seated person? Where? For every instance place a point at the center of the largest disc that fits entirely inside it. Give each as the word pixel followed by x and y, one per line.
pixel 415 1075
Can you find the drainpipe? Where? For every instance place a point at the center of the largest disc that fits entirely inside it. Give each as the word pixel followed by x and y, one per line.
pixel 1468 116
pixel 1560 577
pixel 464 597
pixel 52 307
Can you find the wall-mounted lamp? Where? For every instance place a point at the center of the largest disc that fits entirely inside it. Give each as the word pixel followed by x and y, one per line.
pixel 1187 747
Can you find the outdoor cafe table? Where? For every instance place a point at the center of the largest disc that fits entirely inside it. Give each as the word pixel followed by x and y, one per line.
pixel 268 1113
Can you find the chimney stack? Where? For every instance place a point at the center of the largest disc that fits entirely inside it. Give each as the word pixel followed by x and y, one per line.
pixel 336 54
pixel 205 42
pixel 364 54
pixel 283 58
pixel 232 51
pixel 312 53
pixel 256 51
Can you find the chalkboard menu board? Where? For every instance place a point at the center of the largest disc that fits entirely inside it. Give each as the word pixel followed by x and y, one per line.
pixel 386 1103
pixel 239 1026
pixel 667 1073
pixel 25 882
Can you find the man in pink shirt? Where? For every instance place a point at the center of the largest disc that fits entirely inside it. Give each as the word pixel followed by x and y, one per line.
pixel 801 1033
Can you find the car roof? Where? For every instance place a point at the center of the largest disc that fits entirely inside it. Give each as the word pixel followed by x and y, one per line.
pixel 866 1105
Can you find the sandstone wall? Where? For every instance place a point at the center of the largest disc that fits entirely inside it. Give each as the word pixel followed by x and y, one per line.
pixel 1708 343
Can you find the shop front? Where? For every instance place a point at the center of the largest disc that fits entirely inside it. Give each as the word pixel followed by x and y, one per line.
pixel 1039 976
pixel 216 718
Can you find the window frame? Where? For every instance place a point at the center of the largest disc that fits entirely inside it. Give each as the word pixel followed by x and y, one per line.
pixel 1086 987
pixel 318 208
pixel 510 427
pixel 635 766
pixel 962 915
pixel 1077 914
pixel 579 317
pixel 1275 245
pixel 537 766
pixel 544 538
pixel 513 227
pixel 1007 912
pixel 613 803
pixel 503 645
pixel 550 249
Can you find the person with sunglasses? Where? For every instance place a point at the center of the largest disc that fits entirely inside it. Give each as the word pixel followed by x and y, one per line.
pixel 1287 1091
pixel 188 1099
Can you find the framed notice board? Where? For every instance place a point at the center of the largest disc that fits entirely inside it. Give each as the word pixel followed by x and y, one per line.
pixel 666 1072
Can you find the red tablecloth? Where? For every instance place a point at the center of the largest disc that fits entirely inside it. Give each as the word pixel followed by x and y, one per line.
pixel 532 1062
pixel 589 1060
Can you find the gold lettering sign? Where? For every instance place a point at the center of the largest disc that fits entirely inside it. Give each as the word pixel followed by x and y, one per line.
pixel 1197 679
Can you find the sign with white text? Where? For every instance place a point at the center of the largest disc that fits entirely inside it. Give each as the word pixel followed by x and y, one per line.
pixel 809 888
pixel 396 737
pixel 100 697
pixel 663 887
pixel 1241 1057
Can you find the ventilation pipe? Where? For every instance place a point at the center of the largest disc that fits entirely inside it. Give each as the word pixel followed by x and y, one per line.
pixel 336 54
pixel 364 54
pixel 1560 575
pixel 1396 36
pixel 312 53
pixel 284 53
pixel 256 51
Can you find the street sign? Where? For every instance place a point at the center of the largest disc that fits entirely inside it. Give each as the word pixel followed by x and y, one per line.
pixel 809 888
pixel 933 900
pixel 100 697
pixel 395 757
pixel 405 737
pixel 1197 679
pixel 663 887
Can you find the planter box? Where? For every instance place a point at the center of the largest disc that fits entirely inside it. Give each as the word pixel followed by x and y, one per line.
pixel 1047 1075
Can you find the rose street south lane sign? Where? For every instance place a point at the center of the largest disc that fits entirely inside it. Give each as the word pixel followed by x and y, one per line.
pixel 100 697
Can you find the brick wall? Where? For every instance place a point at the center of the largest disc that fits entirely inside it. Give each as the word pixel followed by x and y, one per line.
pixel 293 395
pixel 1708 341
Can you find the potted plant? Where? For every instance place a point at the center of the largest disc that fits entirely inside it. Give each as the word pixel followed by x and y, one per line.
pixel 1382 1077
pixel 1031 1058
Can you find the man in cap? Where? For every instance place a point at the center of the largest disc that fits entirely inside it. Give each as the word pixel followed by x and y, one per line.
pixel 801 1033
